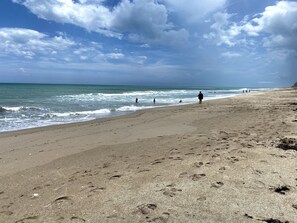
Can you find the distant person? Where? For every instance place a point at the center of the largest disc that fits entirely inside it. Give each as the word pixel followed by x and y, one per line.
pixel 136 100
pixel 242 91
pixel 154 100
pixel 180 101
pixel 200 97
pixel 246 91
pixel 249 90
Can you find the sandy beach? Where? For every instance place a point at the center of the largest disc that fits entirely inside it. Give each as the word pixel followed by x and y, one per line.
pixel 225 160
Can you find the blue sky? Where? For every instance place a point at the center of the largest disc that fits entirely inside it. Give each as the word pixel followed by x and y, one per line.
pixel 149 42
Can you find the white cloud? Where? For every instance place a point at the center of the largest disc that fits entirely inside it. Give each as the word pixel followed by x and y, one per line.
pixel 279 22
pixel 115 56
pixel 145 45
pixel 23 70
pixel 28 43
pixel 140 59
pixel 91 15
pixel 143 20
pixel 276 27
pixel 223 30
pixel 229 54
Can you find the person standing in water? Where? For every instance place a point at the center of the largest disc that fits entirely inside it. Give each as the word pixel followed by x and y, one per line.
pixel 154 100
pixel 200 97
pixel 136 100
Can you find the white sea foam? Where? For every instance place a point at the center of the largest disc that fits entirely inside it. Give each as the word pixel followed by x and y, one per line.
pixel 79 113
pixel 126 96
pixel 132 108
pixel 21 108
pixel 14 109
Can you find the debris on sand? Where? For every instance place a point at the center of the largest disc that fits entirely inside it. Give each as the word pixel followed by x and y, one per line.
pixel 288 144
pixel 282 189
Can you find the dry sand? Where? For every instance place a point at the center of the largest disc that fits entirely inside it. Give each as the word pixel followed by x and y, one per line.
pixel 215 162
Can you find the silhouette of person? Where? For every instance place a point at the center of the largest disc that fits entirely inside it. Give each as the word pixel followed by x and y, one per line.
pixel 154 100
pixel 180 101
pixel 200 97
pixel 136 100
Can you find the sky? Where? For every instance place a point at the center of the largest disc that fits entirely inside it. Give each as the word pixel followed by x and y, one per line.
pixel 236 43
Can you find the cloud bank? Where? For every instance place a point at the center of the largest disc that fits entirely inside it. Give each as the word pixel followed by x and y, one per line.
pixel 276 27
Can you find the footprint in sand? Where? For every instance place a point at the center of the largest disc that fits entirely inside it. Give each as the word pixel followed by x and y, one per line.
pixel 217 184
pixel 77 219
pixel 105 165
pixel 208 164
pixel 8 213
pixel 115 176
pixel 215 155
pixel 196 177
pixel 27 219
pixel 37 188
pixel 183 174
pixel 174 151
pixel 144 170
pixel 91 188
pixel 170 190
pixel 177 158
pixel 202 198
pixel 198 164
pixel 233 159
pixel 72 179
pixel 60 219
pixel 162 219
pixel 63 201
pixel 7 205
pixel 157 161
pixel 257 172
pixel 150 214
pixel 189 154
pixel 221 169
pixel 146 208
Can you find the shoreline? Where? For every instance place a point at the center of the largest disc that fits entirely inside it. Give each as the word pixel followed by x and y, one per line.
pixel 217 161
pixel 128 113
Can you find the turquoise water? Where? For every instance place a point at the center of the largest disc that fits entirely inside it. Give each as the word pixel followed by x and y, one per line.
pixel 32 105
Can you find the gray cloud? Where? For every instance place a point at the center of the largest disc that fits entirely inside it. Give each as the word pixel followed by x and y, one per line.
pixel 146 21
pixel 193 11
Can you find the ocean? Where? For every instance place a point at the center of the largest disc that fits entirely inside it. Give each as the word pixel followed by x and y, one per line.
pixel 24 106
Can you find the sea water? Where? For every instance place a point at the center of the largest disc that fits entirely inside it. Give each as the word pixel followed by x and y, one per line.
pixel 25 106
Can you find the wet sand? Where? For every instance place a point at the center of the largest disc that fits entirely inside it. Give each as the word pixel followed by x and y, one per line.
pixel 226 160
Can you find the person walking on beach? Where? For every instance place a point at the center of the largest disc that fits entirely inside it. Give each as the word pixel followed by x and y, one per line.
pixel 200 97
